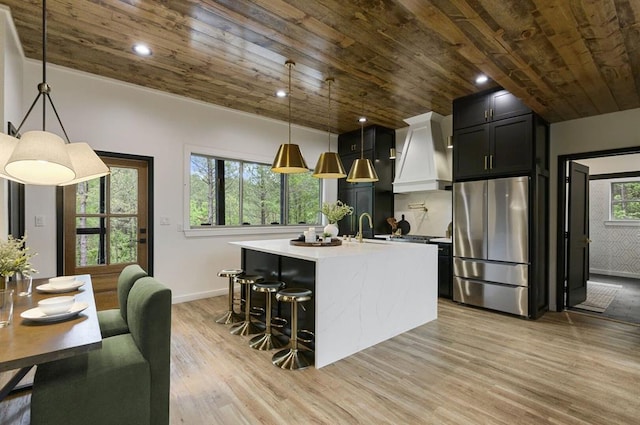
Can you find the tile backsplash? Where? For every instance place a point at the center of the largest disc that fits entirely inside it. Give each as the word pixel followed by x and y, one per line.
pixel 433 222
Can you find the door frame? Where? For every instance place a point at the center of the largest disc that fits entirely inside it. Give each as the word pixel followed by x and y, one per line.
pixel 150 212
pixel 562 211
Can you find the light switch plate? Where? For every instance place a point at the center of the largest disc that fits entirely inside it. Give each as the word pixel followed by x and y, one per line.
pixel 39 221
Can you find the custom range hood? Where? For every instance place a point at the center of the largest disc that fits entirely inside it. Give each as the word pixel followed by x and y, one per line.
pixel 424 164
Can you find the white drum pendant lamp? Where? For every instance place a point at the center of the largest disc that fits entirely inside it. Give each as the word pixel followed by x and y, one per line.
pixel 42 157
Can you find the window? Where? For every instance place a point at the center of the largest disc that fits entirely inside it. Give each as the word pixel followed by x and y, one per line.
pixel 625 200
pixel 228 192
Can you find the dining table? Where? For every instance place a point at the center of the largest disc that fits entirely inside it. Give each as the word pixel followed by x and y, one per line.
pixel 29 342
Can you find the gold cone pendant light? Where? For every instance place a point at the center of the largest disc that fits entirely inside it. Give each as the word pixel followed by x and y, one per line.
pixel 41 157
pixel 362 170
pixel 289 159
pixel 329 165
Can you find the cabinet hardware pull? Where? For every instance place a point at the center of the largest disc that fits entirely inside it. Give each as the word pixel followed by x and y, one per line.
pixel 491 112
pixel 486 114
pixel 491 162
pixel 485 162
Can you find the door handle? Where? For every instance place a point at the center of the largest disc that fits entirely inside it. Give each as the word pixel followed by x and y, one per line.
pixel 485 162
pixel 491 162
pixel 587 240
pixel 491 113
pixel 486 114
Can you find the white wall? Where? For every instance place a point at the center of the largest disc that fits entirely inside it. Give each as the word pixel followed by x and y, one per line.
pixel 10 92
pixel 601 132
pixel 119 117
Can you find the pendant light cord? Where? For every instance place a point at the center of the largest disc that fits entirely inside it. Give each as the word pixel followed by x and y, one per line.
pixel 290 65
pixel 329 81
pixel 44 89
pixel 362 120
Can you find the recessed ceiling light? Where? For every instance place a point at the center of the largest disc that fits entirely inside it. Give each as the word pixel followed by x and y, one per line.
pixel 481 79
pixel 141 49
pixel 362 119
pixel 281 93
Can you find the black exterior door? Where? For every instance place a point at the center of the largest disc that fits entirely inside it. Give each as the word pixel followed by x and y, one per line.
pixel 578 240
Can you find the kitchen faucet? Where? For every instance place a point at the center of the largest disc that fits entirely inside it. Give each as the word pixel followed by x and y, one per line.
pixel 359 235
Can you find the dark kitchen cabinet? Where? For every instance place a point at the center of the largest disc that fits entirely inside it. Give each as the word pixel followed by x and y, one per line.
pixel 497 148
pixel 445 270
pixel 512 141
pixel 373 198
pixel 485 107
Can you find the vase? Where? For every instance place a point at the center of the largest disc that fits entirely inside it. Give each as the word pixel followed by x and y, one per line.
pixel 331 229
pixel 20 283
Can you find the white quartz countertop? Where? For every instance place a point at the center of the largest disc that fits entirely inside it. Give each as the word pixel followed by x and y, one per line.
pixel 441 240
pixel 353 248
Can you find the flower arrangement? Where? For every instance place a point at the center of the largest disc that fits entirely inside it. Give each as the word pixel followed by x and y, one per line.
pixel 336 211
pixel 15 258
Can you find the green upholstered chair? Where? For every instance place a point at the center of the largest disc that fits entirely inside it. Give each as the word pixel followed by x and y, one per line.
pixel 114 321
pixel 125 383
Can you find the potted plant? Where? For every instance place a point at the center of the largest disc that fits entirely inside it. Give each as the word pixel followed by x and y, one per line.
pixel 14 259
pixel 334 212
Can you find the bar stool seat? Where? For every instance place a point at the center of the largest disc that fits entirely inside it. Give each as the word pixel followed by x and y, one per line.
pixel 266 340
pixel 230 316
pixel 296 357
pixel 247 327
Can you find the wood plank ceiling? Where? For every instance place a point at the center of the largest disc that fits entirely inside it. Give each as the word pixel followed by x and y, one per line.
pixel 565 58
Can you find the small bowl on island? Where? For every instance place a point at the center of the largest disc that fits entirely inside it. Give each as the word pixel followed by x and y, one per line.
pixel 56 305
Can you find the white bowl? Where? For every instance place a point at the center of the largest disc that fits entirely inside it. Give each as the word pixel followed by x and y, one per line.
pixel 56 305
pixel 62 281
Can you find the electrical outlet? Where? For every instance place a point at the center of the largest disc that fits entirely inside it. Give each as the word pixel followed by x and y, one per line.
pixel 39 221
pixel 165 221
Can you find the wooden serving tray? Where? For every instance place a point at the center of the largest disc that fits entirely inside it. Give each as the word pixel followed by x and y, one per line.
pixel 334 242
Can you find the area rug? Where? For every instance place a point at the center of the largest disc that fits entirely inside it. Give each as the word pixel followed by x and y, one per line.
pixel 599 296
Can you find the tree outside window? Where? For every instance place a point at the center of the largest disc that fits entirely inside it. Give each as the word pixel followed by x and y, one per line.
pixel 233 193
pixel 625 200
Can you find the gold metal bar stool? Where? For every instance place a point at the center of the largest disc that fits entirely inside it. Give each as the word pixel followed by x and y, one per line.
pixel 230 316
pixel 247 327
pixel 266 340
pixel 296 357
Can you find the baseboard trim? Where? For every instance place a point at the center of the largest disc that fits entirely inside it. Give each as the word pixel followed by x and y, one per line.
pixel 615 273
pixel 199 295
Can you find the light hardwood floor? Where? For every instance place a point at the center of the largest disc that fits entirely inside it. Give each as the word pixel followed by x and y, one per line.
pixel 468 367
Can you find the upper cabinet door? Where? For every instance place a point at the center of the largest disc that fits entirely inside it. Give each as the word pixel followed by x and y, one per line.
pixel 470 111
pixel 471 152
pixel 505 105
pixel 486 107
pixel 511 150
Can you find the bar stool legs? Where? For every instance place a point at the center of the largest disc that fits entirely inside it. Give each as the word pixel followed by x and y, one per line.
pixel 296 357
pixel 247 327
pixel 266 340
pixel 230 316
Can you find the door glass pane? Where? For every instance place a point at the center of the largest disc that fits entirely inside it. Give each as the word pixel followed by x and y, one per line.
pixel 124 190
pixel 90 247
pixel 88 199
pixel 123 240
pixel 88 252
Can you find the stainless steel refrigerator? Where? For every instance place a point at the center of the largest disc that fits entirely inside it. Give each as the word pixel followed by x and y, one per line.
pixel 491 244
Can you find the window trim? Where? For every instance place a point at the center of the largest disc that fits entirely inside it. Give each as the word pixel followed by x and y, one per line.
pixel 188 231
pixel 612 219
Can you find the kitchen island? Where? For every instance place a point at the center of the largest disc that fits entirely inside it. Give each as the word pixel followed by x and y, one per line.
pixel 363 293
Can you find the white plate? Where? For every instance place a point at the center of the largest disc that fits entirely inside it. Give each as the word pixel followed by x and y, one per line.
pixel 72 286
pixel 37 315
